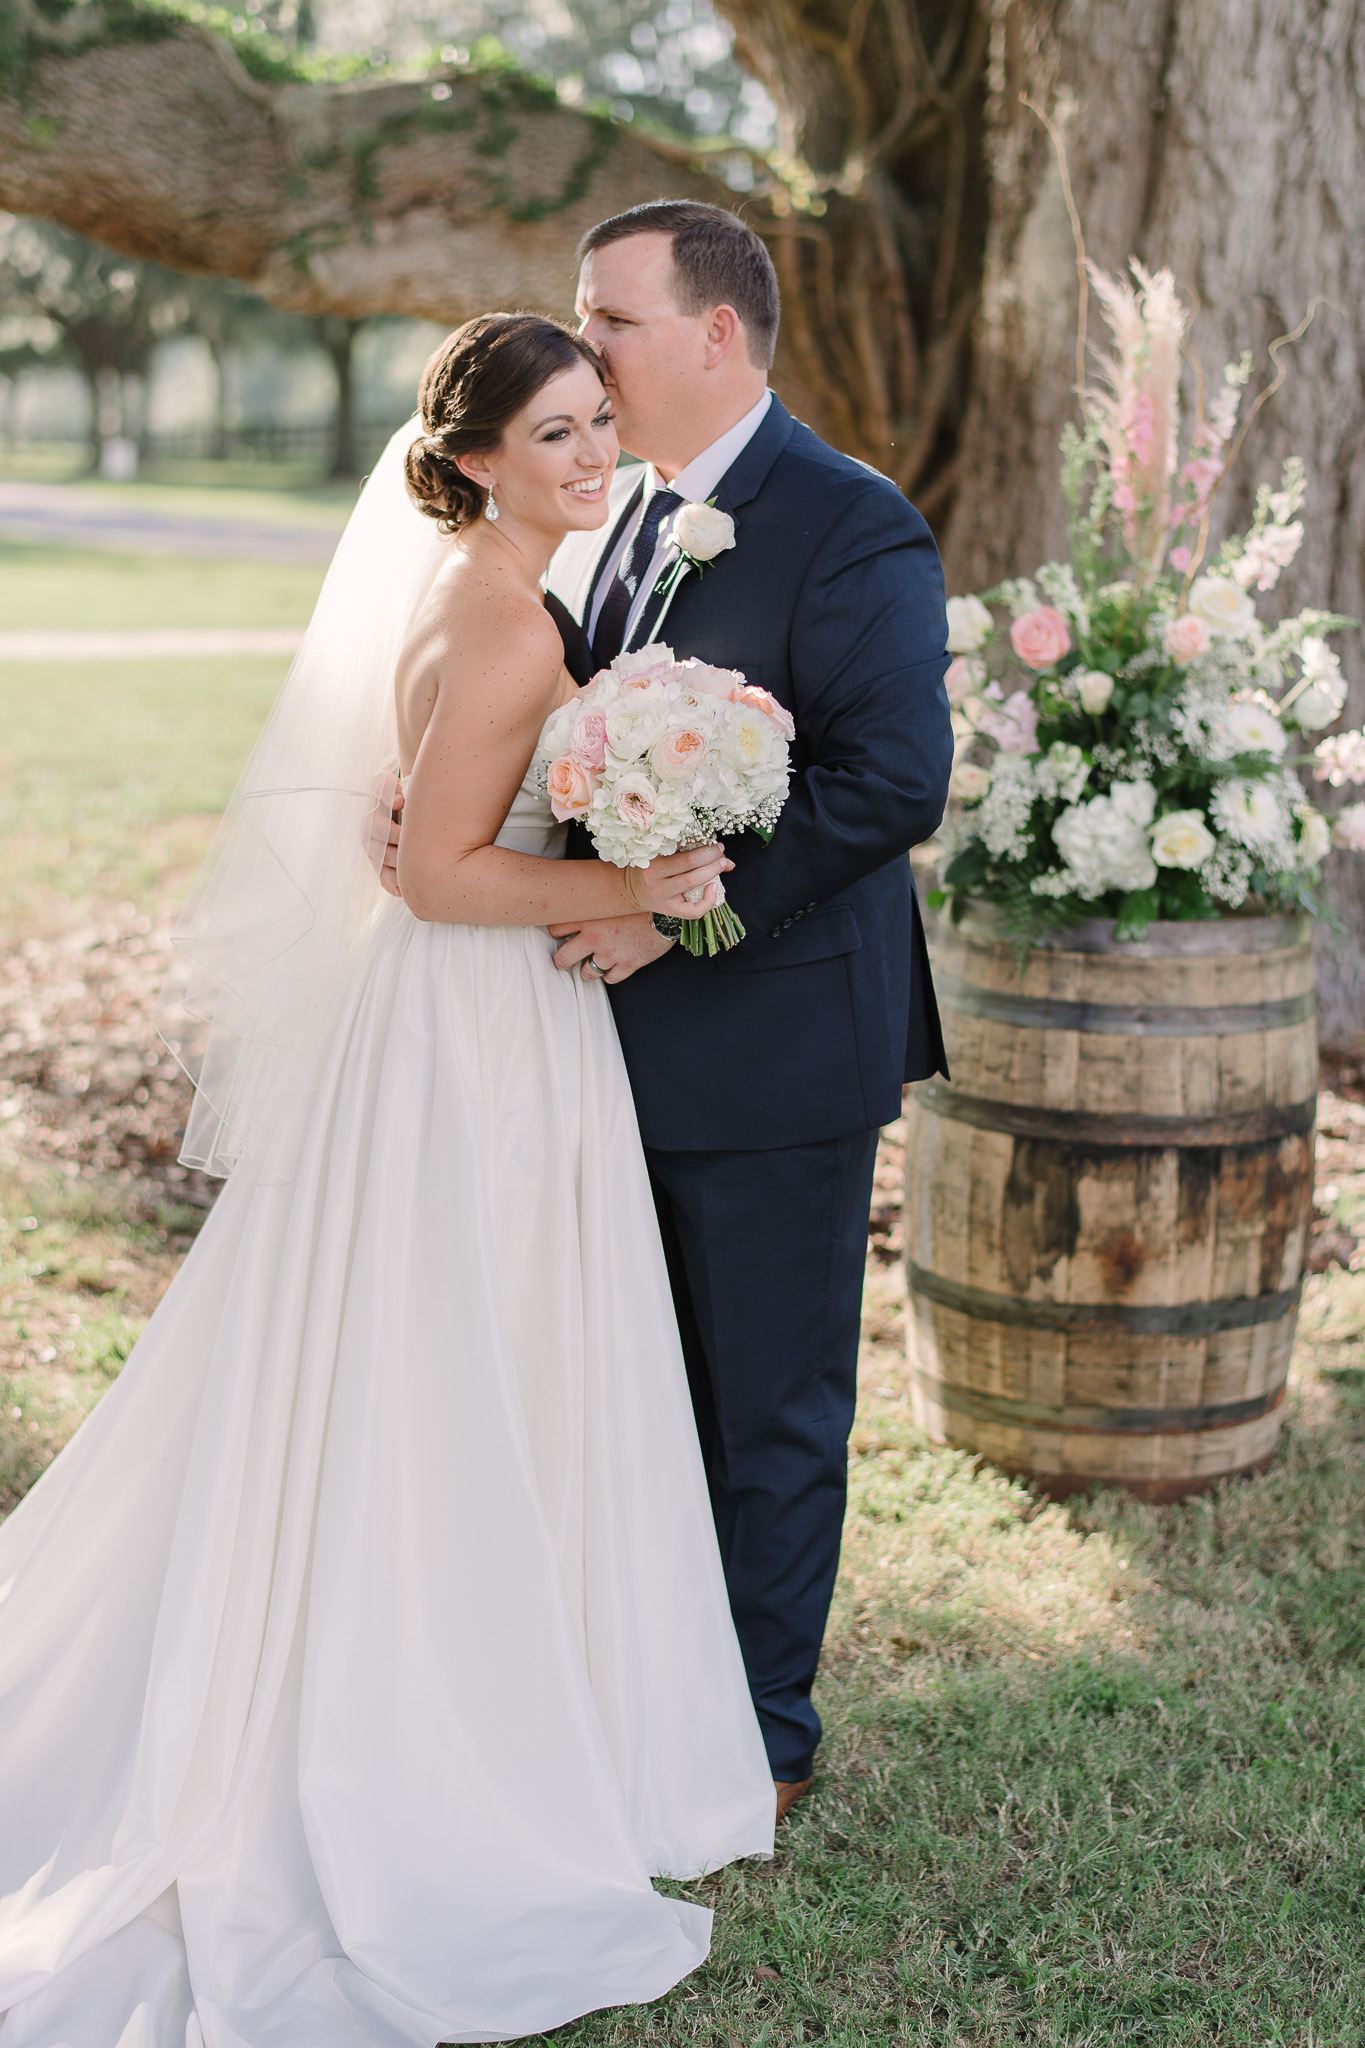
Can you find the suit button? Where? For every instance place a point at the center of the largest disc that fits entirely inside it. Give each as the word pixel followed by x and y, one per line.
pixel 776 932
pixel 812 906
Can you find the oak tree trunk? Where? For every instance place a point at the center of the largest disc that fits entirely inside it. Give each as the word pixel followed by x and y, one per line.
pixel 918 225
pixel 1226 140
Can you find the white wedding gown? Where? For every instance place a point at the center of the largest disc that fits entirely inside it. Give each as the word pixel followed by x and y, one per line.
pixel 368 1647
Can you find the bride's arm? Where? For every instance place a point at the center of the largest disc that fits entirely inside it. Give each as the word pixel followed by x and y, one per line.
pixel 491 699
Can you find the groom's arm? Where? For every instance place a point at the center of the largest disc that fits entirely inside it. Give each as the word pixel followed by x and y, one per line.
pixel 868 659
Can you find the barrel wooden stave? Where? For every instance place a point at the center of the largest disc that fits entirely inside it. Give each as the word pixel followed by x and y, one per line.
pixel 1113 1237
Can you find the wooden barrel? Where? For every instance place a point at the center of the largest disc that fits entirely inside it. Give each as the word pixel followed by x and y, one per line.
pixel 1107 1208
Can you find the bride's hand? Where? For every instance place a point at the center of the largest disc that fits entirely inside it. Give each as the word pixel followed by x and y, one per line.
pixel 660 888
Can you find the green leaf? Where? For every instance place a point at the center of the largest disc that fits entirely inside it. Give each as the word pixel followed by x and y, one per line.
pixel 937 898
pixel 968 867
pixel 1137 911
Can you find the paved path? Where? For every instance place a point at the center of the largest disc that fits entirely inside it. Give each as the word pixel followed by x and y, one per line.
pixel 65 515
pixel 149 644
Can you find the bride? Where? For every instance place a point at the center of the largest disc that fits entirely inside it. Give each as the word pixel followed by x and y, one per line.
pixel 367 1650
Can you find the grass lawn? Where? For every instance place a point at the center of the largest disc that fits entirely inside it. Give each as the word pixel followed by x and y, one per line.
pixel 1092 1775
pixel 211 490
pixel 80 589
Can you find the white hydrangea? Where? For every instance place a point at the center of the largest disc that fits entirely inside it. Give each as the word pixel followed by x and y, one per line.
pixel 629 844
pixel 1104 842
pixel 1007 807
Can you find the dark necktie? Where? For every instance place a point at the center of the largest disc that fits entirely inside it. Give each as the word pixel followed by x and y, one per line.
pixel 610 636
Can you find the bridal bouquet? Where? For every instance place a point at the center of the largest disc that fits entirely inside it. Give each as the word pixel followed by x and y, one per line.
pixel 1127 743
pixel 658 754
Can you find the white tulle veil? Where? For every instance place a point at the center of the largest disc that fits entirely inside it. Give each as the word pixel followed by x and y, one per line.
pixel 287 892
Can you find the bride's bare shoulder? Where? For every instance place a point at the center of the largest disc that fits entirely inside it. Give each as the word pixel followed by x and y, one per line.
pixel 479 642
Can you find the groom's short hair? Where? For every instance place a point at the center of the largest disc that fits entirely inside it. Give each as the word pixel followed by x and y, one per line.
pixel 717 261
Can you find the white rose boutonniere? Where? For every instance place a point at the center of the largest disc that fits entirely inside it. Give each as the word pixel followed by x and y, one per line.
pixel 701 532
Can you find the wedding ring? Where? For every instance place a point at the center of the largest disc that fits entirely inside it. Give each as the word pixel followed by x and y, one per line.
pixel 598 973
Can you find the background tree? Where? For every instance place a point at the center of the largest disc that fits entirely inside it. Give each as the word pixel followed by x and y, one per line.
pixel 912 205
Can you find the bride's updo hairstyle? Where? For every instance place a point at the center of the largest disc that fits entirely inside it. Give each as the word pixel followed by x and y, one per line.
pixel 476 383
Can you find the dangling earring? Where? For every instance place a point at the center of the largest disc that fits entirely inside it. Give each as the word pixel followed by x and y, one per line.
pixel 490 510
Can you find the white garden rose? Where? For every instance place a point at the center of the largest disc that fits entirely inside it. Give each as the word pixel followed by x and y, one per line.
pixel 554 740
pixel 1225 607
pixel 970 625
pixel 1255 729
pixel 643 661
pixel 749 738
pixel 703 532
pixel 1181 839
pixel 1094 688
pixel 634 724
pixel 969 783
pixel 1315 837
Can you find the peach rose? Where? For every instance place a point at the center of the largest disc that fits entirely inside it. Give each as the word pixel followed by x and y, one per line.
pixel 570 787
pixel 764 701
pixel 588 741
pixel 679 754
pixel 1040 638
pixel 1187 638
pixel 635 800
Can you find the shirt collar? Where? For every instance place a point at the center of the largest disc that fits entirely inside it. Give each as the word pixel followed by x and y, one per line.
pixel 696 483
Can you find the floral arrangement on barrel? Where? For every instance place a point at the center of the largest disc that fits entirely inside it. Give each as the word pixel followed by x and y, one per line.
pixel 1127 745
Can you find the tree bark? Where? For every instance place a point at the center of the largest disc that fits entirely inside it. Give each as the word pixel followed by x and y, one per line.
pixel 1228 141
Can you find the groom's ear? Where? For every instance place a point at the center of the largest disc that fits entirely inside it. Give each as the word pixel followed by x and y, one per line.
pixel 724 333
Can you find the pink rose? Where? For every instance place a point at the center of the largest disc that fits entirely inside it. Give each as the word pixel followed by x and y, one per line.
pixel 635 800
pixel 1040 638
pixel 725 683
pixel 679 754
pixel 643 679
pixel 1187 637
pixel 570 787
pixel 588 741
pixel 764 701
pixel 1014 725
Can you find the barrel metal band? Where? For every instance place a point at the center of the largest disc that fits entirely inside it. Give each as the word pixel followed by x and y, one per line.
pixel 1148 1020
pixel 1150 1319
pixel 1086 1127
pixel 999 1408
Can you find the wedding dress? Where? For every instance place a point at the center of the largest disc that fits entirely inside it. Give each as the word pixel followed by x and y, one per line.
pixel 368 1647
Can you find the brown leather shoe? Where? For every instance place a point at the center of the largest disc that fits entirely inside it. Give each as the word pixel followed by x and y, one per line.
pixel 787 1794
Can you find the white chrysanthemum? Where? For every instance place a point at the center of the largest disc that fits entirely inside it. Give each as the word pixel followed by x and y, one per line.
pixel 1255 728
pixel 1251 812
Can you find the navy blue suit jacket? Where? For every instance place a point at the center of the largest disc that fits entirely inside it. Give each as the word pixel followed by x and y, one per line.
pixel 832 599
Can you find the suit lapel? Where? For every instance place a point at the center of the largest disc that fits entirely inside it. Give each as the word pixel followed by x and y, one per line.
pixel 740 485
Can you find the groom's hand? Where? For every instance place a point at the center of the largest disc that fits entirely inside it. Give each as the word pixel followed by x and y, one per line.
pixel 619 945
pixel 381 829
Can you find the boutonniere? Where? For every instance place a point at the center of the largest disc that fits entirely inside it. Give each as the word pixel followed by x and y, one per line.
pixel 698 534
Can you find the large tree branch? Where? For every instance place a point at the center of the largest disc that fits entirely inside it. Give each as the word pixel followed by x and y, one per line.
pixel 356 199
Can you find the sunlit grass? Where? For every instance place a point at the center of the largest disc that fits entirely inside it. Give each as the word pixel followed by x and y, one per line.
pixel 83 589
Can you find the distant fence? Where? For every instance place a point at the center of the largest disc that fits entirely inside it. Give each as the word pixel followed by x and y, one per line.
pixel 260 441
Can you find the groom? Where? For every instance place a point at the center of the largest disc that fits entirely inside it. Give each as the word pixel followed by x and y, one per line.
pixel 761 1077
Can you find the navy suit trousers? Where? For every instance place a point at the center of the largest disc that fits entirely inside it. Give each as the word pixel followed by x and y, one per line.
pixel 766 1252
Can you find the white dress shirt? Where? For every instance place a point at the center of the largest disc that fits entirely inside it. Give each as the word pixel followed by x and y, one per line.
pixel 694 486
